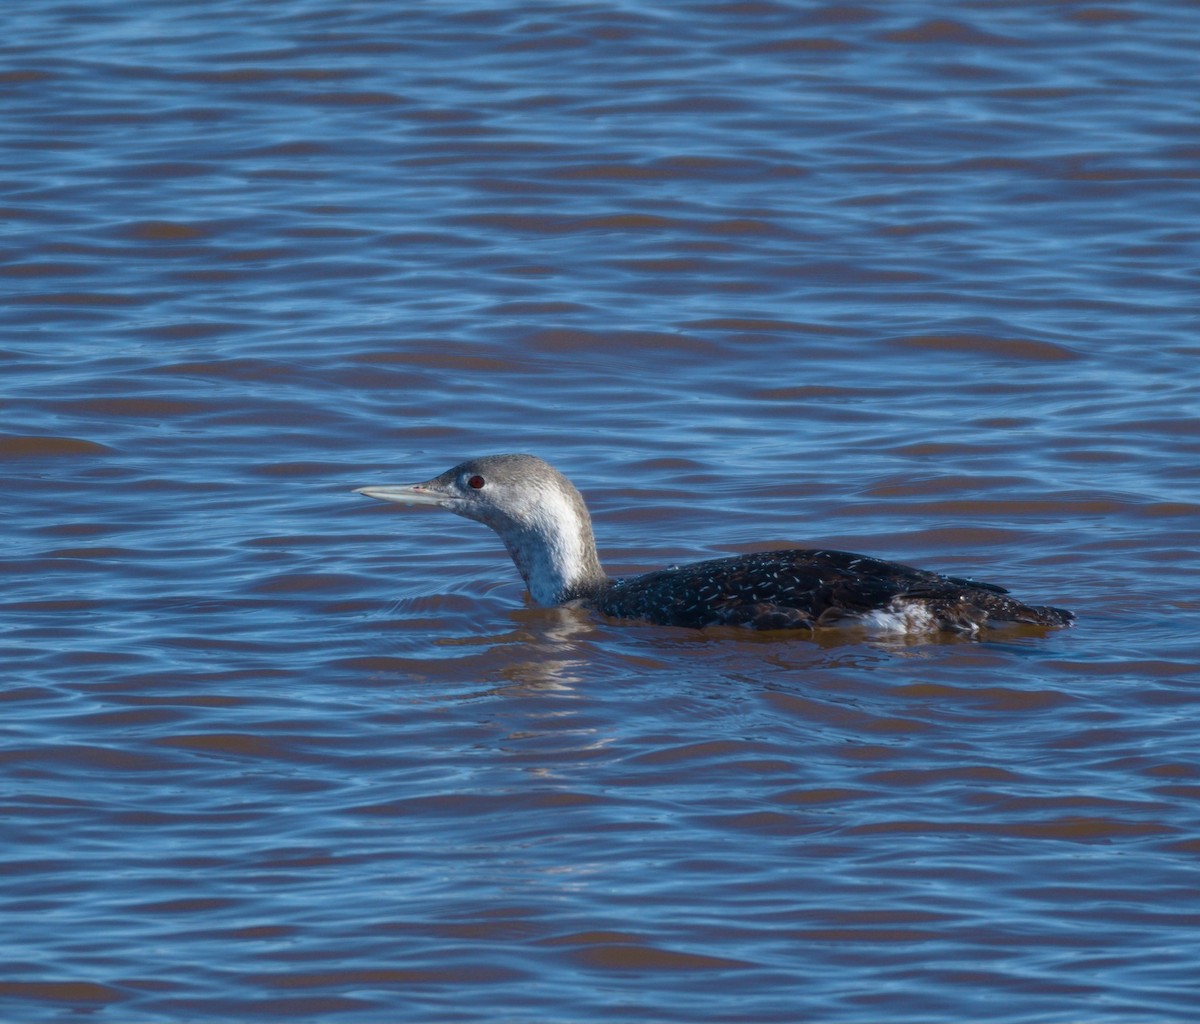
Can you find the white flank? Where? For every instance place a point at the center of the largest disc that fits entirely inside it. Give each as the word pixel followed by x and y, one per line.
pixel 902 617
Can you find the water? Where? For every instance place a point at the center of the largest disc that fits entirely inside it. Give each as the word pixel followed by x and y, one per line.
pixel 917 280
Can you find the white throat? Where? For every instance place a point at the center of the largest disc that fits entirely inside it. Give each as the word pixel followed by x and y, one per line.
pixel 550 545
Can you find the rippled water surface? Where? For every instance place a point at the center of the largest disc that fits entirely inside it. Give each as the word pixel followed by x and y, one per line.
pixel 913 279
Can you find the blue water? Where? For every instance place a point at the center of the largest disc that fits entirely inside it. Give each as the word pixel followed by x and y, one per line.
pixel 917 280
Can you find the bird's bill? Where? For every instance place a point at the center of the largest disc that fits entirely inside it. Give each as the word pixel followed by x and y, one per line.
pixel 414 494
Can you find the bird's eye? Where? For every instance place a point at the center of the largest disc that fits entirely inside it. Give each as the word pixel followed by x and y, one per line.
pixel 476 482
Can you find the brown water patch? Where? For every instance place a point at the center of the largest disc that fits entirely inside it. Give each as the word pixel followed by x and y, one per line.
pixel 85 759
pixel 640 958
pixel 1024 349
pixel 761 326
pixel 803 44
pixel 1069 828
pixel 1102 15
pixel 438 354
pixel 826 795
pixel 165 408
pixel 236 744
pixel 96 552
pixel 390 976
pixel 97 300
pixel 948 31
pixel 562 340
pixel 17 446
pixel 62 991
pixel 305 583
pixel 164 231
pixel 45 269
pixel 192 330
pixel 166 170
pixel 996 698
pixel 192 905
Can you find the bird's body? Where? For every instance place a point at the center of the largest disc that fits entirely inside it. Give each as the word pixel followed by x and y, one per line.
pixel 545 525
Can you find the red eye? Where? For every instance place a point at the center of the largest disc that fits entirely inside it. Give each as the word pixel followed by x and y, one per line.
pixel 476 482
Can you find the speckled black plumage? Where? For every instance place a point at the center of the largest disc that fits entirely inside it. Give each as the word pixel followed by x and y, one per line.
pixel 802 589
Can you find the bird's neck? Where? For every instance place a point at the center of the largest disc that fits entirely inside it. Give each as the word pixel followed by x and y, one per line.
pixel 554 550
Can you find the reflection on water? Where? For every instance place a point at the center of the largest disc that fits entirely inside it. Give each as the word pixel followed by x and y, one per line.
pixel 876 278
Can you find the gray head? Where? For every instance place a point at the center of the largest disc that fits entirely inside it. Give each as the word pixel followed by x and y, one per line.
pixel 536 510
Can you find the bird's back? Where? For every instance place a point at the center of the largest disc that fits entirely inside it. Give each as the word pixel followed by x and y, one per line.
pixel 803 589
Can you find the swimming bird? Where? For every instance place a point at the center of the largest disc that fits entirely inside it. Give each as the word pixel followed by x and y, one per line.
pixel 545 525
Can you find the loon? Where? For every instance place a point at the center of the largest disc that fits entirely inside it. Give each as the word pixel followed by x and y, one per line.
pixel 545 525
